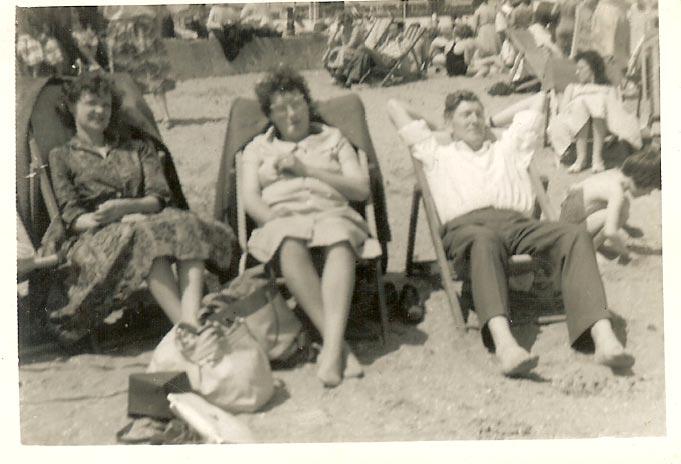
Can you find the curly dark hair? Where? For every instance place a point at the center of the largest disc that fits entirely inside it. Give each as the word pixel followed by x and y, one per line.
pixel 96 83
pixel 644 167
pixel 463 31
pixel 596 63
pixel 454 99
pixel 282 79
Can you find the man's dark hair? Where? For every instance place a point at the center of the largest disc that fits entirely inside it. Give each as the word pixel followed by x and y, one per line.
pixel 644 168
pixel 454 99
pixel 281 79
pixel 596 63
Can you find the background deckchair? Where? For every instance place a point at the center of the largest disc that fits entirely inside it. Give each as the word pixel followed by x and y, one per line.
pixel 347 114
pixel 452 283
pixel 40 127
pixel 649 66
pixel 391 75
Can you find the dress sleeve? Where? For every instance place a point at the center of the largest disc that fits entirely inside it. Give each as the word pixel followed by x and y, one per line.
pixel 523 137
pixel 422 141
pixel 70 204
pixel 155 183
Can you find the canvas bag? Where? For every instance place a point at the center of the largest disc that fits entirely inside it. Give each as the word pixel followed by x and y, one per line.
pixel 231 372
pixel 254 296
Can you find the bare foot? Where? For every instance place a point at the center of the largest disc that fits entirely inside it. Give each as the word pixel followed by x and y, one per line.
pixel 352 366
pixel 516 362
pixel 329 369
pixel 615 357
pixel 609 351
pixel 576 167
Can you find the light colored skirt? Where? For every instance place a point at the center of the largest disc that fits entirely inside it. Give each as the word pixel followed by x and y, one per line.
pixel 318 229
pixel 564 128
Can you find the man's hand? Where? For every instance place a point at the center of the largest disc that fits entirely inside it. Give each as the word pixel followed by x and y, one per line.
pixel 112 210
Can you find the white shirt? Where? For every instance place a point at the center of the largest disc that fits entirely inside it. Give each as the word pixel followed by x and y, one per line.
pixel 463 180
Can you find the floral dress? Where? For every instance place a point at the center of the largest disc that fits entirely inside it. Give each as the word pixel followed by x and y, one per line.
pixel 134 40
pixel 107 264
pixel 304 207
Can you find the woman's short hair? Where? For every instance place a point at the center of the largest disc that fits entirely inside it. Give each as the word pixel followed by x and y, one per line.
pixel 596 63
pixel 454 99
pixel 96 83
pixel 281 79
pixel 463 31
pixel 644 167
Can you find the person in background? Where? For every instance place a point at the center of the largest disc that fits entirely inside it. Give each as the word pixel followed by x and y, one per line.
pixel 483 25
pixel 223 23
pixel 135 47
pixel 343 44
pixel 610 32
pixel 601 202
pixel 442 44
pixel 591 106
pixel 565 10
pixel 501 19
pixel 521 15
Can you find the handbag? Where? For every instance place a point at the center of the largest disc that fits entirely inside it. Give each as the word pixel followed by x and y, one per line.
pixel 254 297
pixel 224 363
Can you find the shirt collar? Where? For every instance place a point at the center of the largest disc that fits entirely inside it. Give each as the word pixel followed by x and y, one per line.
pixel 82 145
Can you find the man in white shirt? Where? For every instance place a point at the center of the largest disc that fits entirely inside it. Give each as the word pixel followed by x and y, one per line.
pixel 483 195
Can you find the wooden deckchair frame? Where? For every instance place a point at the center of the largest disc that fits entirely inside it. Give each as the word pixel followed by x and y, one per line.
pixel 413 33
pixel 451 283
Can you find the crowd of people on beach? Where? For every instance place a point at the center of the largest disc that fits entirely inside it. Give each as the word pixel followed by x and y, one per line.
pixel 301 176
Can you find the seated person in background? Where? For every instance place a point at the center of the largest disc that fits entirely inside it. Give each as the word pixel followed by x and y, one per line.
pixel 601 202
pixel 121 231
pixel 442 44
pixel 383 56
pixel 343 43
pixel 298 180
pixel 591 103
pixel 483 195
pixel 460 56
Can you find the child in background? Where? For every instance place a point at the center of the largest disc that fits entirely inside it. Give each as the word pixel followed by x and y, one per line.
pixel 602 201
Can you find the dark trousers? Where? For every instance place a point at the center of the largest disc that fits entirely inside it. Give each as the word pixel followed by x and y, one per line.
pixel 480 242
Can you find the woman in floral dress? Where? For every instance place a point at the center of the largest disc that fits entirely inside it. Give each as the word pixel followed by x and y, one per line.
pixel 121 228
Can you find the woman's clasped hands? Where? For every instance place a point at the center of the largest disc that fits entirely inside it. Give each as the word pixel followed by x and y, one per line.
pixel 290 164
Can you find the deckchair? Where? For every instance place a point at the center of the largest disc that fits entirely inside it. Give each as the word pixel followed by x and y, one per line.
pixel 372 38
pixel 452 282
pixel 346 113
pixel 390 74
pixel 40 127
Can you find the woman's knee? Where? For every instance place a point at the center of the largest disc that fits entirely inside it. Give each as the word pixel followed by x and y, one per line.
pixel 486 241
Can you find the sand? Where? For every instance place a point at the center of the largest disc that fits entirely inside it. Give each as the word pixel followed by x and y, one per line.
pixel 429 382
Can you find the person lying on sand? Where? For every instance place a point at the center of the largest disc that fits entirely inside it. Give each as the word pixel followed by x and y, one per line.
pixel 483 195
pixel 601 201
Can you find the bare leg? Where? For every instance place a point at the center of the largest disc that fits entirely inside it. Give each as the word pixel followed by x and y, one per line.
pixel 302 279
pixel 609 351
pixel 190 273
pixel 338 282
pixel 581 143
pixel 599 131
pixel 163 287
pixel 515 361
pixel 165 114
